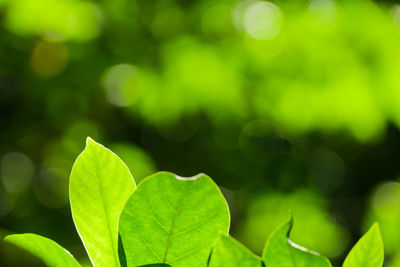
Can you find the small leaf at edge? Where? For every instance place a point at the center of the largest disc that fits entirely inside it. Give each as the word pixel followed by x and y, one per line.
pixel 281 251
pixel 368 251
pixel 46 249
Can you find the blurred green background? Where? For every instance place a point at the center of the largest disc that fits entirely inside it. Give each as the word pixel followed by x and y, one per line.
pixel 287 105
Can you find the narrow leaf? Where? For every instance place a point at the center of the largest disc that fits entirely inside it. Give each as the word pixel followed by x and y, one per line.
pixel 368 252
pixel 46 249
pixel 173 220
pixel 100 185
pixel 281 251
pixel 229 252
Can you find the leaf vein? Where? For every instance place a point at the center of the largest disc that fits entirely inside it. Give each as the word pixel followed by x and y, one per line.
pixel 171 233
pixel 144 240
pixel 198 224
pixel 164 197
pixel 154 217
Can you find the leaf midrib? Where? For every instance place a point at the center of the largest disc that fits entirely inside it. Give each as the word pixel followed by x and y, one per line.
pixel 171 232
pixel 370 253
pixel 99 185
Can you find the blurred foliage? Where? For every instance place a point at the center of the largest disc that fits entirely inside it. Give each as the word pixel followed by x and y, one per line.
pixel 315 228
pixel 385 209
pixel 287 104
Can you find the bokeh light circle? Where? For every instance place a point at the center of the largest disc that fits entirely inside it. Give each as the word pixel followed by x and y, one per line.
pixel 16 172
pixel 262 20
pixel 119 83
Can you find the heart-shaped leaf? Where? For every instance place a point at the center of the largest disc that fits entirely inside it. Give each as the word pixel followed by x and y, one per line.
pixel 173 220
pixel 46 249
pixel 281 251
pixel 229 252
pixel 368 251
pixel 100 185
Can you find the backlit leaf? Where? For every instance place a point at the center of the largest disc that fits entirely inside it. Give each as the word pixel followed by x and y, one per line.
pixel 228 252
pixel 173 220
pixel 281 251
pixel 100 185
pixel 368 252
pixel 46 249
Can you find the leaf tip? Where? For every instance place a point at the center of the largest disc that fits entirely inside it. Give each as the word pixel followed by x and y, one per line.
pixel 377 229
pixel 291 216
pixel 89 141
pixel 375 226
pixel 13 238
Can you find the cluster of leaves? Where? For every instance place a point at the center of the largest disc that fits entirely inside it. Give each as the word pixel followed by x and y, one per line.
pixel 167 220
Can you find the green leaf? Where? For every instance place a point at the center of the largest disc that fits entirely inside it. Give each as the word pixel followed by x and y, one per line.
pixel 156 265
pixel 229 252
pixel 173 220
pixel 368 252
pixel 49 251
pixel 100 185
pixel 281 251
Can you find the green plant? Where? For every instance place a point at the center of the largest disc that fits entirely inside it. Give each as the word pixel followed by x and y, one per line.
pixel 168 220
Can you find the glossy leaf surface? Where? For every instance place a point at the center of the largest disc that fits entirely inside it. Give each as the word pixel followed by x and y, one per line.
pixel 173 220
pixel 52 254
pixel 281 251
pixel 100 185
pixel 368 252
pixel 229 252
